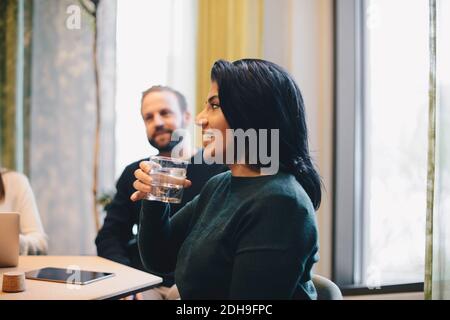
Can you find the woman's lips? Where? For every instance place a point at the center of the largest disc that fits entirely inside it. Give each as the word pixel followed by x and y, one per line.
pixel 208 136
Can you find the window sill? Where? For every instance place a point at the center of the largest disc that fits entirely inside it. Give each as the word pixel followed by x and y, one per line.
pixel 388 289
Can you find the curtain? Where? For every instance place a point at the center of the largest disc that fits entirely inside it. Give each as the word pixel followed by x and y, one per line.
pixel 437 269
pixel 227 29
pixel 64 113
pixel 15 76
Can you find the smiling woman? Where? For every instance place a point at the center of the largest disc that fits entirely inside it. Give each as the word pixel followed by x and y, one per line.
pixel 228 242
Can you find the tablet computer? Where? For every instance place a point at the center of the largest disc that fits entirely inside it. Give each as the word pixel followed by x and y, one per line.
pixel 72 276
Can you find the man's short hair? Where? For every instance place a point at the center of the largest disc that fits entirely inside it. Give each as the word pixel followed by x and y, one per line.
pixel 180 97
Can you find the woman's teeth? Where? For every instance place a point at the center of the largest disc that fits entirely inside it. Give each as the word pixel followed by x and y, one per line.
pixel 208 136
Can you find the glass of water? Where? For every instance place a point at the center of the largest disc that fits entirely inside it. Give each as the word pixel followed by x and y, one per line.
pixel 167 175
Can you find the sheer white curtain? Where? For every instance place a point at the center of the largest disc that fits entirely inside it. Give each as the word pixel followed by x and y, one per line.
pixel 63 113
pixel 438 242
pixel 156 43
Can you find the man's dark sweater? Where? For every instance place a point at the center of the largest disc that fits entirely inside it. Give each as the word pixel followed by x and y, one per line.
pixel 115 240
pixel 241 238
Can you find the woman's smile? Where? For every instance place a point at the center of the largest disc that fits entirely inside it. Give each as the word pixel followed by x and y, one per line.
pixel 208 136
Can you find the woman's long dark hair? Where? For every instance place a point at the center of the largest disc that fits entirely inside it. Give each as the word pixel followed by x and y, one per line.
pixel 2 188
pixel 259 94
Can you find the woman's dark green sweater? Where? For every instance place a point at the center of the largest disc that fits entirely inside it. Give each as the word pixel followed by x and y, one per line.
pixel 240 238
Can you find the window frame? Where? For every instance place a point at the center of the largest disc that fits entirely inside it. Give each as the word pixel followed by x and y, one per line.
pixel 350 184
pixel 348 252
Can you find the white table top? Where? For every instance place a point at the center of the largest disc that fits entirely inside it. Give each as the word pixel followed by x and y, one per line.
pixel 125 282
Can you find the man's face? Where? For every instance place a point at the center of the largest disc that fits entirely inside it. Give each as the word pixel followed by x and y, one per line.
pixel 162 115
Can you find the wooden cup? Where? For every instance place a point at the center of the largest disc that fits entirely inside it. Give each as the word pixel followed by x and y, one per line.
pixel 13 282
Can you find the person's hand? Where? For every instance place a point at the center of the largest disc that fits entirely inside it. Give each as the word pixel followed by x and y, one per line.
pixel 144 180
pixel 23 245
pixel 137 296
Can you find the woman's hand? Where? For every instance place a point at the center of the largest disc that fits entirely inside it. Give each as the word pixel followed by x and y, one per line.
pixel 144 180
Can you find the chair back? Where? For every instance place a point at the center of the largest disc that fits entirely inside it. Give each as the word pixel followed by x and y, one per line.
pixel 326 289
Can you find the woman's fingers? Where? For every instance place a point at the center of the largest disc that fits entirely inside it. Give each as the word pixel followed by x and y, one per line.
pixel 187 183
pixel 138 195
pixel 145 180
pixel 139 186
pixel 142 176
pixel 147 165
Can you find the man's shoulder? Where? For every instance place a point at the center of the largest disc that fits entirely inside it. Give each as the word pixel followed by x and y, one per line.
pixel 134 166
pixel 128 172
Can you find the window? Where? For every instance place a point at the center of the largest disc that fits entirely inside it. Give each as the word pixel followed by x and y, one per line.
pixel 156 43
pixel 381 141
pixel 396 109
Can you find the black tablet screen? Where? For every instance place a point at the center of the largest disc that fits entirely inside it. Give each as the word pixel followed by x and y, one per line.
pixel 73 276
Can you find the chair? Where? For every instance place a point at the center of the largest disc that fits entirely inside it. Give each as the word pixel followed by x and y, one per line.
pixel 326 289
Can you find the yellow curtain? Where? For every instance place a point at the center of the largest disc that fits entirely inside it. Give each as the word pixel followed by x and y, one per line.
pixel 15 46
pixel 227 29
pixel 8 31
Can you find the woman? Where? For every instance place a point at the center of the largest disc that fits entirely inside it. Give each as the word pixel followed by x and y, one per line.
pixel 247 235
pixel 16 196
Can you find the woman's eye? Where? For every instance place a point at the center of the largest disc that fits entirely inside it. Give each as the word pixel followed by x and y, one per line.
pixel 215 106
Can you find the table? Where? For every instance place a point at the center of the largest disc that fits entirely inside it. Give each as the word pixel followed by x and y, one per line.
pixel 126 281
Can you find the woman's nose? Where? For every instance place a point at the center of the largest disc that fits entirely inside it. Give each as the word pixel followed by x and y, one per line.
pixel 201 119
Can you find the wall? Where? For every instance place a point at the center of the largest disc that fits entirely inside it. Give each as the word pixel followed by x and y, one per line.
pixel 298 35
pixel 160 52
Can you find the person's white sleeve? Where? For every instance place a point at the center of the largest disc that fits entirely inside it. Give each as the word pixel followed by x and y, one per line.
pixel 33 240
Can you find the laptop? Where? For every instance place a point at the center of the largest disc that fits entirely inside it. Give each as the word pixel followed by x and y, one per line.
pixel 9 239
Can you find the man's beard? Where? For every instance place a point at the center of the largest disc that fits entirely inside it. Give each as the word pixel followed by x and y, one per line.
pixel 164 149
pixel 167 147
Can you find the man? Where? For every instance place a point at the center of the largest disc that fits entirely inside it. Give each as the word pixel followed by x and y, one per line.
pixel 163 110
